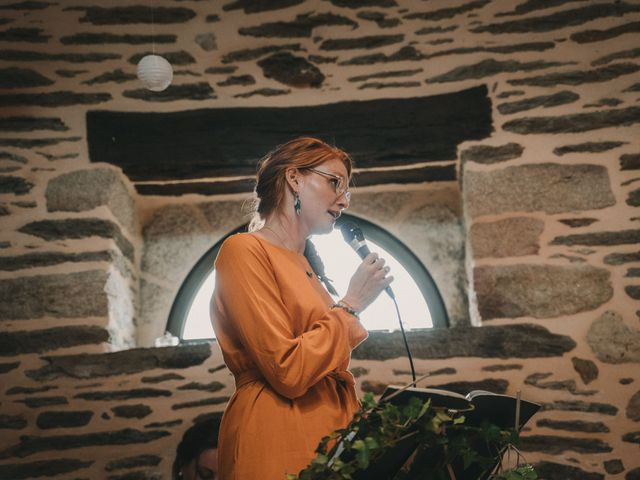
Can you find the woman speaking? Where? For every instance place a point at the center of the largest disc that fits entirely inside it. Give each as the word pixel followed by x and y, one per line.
pixel 285 339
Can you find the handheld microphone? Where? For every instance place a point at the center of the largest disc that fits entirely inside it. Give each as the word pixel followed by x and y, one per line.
pixel 355 238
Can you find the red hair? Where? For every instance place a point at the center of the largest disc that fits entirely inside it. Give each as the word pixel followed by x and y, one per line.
pixel 300 153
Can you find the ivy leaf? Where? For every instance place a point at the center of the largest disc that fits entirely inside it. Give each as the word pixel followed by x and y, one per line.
pixel 362 455
pixel 320 459
pixel 368 402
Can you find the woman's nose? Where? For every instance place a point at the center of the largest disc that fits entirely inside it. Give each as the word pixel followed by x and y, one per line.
pixel 344 200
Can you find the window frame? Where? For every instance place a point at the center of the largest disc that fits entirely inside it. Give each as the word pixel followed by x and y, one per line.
pixel 203 267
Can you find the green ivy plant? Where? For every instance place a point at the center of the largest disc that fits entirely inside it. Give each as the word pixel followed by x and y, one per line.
pixel 440 441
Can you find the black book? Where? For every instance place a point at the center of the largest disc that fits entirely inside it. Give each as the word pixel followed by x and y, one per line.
pixel 477 407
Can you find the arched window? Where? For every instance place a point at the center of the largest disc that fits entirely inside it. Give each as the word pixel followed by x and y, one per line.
pixel 418 297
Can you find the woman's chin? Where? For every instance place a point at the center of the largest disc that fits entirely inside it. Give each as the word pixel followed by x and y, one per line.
pixel 324 228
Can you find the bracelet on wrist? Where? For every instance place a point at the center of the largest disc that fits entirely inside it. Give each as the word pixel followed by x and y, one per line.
pixel 346 307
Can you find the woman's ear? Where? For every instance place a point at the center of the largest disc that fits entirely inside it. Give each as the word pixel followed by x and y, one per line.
pixel 293 177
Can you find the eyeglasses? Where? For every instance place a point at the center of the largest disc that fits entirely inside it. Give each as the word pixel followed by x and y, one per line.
pixel 340 186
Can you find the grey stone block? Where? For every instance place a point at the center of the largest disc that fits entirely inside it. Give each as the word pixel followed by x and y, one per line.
pixel 291 70
pixel 12 422
pixel 30 445
pixel 21 77
pixel 132 411
pixel 500 367
pixel 442 13
pixel 204 387
pixel 580 406
pixel 587 147
pixel 630 161
pixel 38 402
pixel 612 340
pixel 135 14
pixel 633 407
pixel 578 222
pixel 80 228
pixel 490 68
pixel 72 295
pixel 301 27
pixel 621 258
pixel 118 363
pixel 511 237
pixel 555 445
pixel 556 20
pixel 368 42
pixel 116 76
pixel 15 185
pixel 7 367
pixel 588 36
pixel 620 237
pixel 631 437
pixel 174 239
pixel 42 468
pixel 87 38
pixel 587 369
pixel 162 378
pixel 254 53
pixel 64 419
pixel 540 291
pixel 509 341
pixel 38 341
pixel 573 425
pixel 185 91
pixel 53 99
pixel 45 259
pixel 84 190
pixel 547 187
pixel 578 77
pixel 256 7
pixel 19 390
pixel 568 385
pixel 132 462
pixel 237 80
pixel 30 124
pixel 574 123
pixel 559 471
pixel 545 101
pixel 487 154
pixel 613 466
pixel 633 474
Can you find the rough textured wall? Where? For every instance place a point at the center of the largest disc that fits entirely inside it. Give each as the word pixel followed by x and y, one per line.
pixel 549 202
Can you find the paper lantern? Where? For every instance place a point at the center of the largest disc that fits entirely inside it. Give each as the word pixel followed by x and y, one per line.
pixel 155 72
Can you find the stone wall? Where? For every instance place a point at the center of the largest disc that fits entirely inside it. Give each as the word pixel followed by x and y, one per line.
pixel 531 232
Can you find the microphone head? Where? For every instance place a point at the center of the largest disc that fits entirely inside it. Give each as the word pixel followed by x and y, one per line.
pixel 351 231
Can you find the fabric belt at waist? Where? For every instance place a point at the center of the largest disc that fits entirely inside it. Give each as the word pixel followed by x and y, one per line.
pixel 343 376
pixel 248 376
pixel 252 375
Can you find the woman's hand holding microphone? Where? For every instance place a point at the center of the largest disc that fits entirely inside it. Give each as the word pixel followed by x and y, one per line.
pixel 368 281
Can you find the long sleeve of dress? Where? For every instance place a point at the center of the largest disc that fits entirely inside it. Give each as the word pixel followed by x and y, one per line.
pixel 249 297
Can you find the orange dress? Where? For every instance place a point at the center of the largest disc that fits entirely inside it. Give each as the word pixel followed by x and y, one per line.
pixel 288 351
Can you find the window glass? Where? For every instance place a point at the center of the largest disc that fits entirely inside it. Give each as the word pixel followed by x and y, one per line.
pixel 340 262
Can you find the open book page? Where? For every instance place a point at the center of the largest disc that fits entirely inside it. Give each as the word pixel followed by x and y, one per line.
pixel 400 395
pixel 477 406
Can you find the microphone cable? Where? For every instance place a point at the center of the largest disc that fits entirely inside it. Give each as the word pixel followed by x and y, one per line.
pixel 404 338
pixel 355 239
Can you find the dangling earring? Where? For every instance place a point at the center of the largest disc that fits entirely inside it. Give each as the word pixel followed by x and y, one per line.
pixel 296 203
